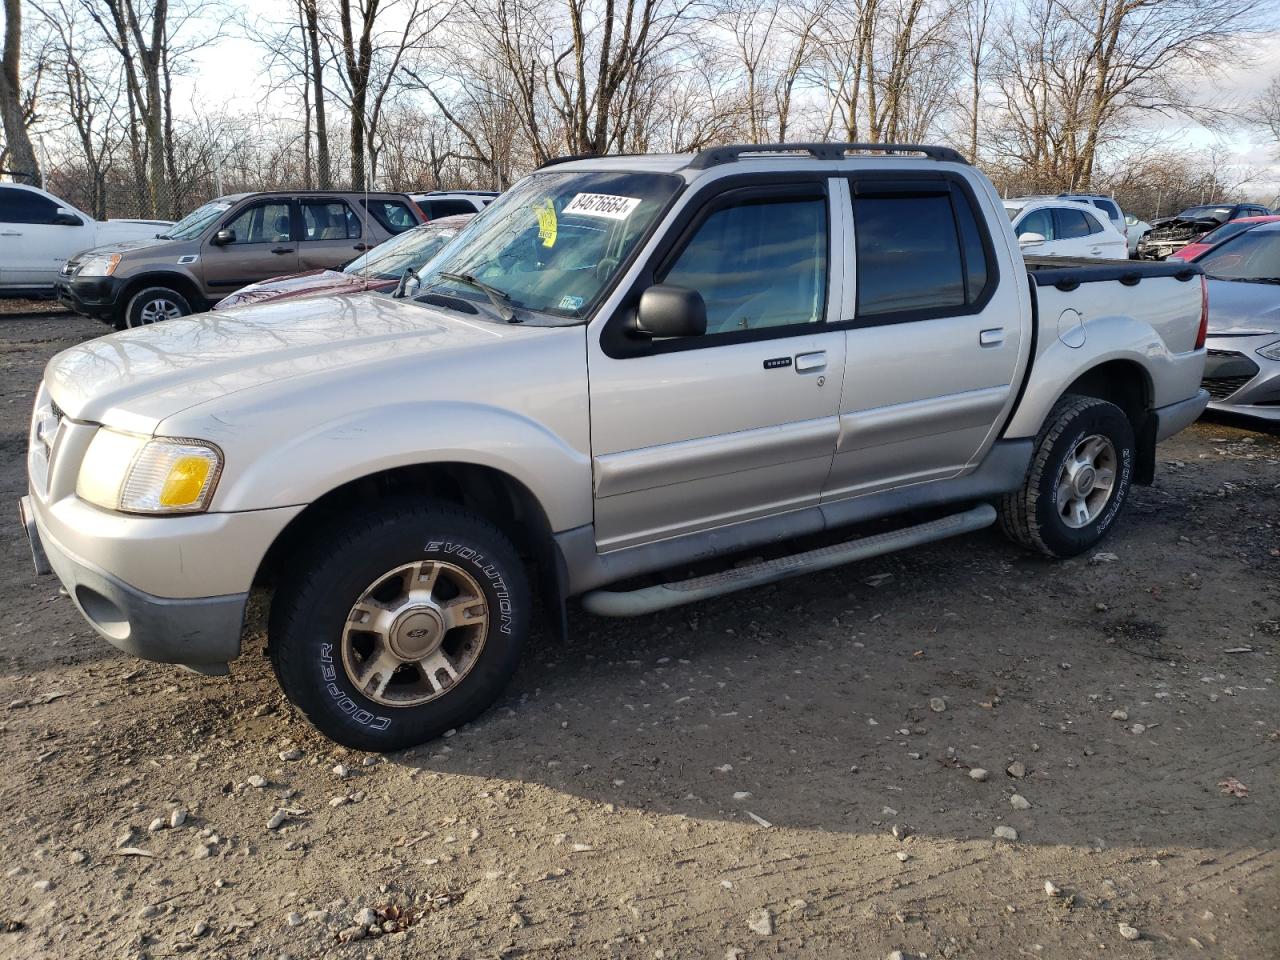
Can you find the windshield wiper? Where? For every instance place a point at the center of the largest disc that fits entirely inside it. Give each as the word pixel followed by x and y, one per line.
pixel 500 299
pixel 1250 279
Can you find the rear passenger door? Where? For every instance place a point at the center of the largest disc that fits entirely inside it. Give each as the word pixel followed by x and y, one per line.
pixel 332 234
pixel 933 339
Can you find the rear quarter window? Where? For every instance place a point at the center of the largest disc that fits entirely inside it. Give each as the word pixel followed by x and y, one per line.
pixel 393 216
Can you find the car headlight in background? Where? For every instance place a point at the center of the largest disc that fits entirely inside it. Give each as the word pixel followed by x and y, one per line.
pixel 135 474
pixel 98 265
pixel 1271 351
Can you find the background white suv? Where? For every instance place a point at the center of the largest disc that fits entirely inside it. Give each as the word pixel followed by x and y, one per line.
pixel 1064 228
pixel 40 232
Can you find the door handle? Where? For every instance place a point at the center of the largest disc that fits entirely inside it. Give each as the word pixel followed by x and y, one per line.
pixel 991 338
pixel 811 361
pixel 361 246
pixel 10 233
pixel 282 249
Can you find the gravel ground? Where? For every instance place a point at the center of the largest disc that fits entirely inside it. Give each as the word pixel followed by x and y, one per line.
pixel 822 768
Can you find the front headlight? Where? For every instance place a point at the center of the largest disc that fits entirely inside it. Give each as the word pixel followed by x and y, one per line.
pixel 135 474
pixel 98 265
pixel 1271 351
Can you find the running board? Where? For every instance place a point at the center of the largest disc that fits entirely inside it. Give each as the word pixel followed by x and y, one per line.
pixel 609 603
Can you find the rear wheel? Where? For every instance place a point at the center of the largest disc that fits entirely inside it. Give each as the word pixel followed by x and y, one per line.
pixel 408 620
pixel 1078 480
pixel 154 304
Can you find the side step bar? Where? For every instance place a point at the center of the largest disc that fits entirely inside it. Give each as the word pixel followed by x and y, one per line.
pixel 608 603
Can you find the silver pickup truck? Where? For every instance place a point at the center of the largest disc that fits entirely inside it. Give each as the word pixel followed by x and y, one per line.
pixel 623 366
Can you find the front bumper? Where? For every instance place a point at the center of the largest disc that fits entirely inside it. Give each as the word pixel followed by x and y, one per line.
pixel 201 632
pixel 1239 379
pixel 90 296
pixel 1159 249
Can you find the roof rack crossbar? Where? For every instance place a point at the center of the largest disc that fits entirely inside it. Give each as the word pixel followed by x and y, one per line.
pixel 819 151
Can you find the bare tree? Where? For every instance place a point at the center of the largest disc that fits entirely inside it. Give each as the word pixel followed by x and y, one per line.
pixel 1265 110
pixel 1072 72
pixel 19 154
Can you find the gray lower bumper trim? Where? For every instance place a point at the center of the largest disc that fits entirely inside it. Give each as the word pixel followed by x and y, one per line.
pixel 203 633
pixel 1178 416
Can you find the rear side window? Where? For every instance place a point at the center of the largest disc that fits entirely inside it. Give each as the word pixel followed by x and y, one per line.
pixel 917 255
pixel 448 208
pixel 393 215
pixel 1108 207
pixel 328 220
pixel 22 206
pixel 1074 223
pixel 758 264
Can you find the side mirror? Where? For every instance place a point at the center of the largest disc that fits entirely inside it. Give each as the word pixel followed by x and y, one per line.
pixel 223 237
pixel 1031 239
pixel 670 311
pixel 62 217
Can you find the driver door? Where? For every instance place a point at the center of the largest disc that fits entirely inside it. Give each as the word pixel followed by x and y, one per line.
pixel 693 433
pixel 262 247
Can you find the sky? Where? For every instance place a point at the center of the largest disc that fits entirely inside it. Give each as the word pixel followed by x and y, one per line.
pixel 225 74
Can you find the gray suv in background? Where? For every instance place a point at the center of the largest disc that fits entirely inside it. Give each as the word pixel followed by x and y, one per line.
pixel 226 244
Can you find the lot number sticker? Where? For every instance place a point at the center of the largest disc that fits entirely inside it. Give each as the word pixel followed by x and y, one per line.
pixel 602 205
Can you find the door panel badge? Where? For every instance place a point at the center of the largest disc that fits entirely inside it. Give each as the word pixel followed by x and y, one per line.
pixel 773 363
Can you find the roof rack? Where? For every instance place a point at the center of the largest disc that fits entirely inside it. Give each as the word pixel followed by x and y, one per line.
pixel 819 151
pixel 465 193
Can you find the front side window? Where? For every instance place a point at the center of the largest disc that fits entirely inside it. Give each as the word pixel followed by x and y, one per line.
pixel 22 206
pixel 1038 221
pixel 758 264
pixel 262 223
pixel 328 220
pixel 553 243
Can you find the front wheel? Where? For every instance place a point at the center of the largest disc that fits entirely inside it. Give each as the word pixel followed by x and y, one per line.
pixel 408 621
pixel 153 305
pixel 1078 480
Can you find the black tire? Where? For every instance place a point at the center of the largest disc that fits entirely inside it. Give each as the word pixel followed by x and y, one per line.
pixel 311 610
pixel 1032 515
pixel 147 303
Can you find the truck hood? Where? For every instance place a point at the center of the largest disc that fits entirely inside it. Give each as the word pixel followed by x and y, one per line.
pixel 136 378
pixel 1238 308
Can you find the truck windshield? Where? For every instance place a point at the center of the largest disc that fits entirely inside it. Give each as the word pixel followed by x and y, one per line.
pixel 1205 213
pixel 552 243
pixel 193 224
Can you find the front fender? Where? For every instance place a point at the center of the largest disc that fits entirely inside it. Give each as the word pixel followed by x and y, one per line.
pixel 300 468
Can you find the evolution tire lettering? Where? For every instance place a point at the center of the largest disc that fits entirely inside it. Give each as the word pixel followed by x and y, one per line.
pixel 348 706
pixel 506 611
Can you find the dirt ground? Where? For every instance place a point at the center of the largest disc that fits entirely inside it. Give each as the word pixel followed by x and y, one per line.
pixel 794 772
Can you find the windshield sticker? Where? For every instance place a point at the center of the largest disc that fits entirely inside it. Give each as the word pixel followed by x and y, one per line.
pixel 547 225
pixel 570 302
pixel 602 205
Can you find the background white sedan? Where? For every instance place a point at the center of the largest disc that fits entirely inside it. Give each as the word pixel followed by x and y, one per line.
pixel 1064 228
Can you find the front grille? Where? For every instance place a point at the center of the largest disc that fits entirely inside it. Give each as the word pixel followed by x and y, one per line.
pixel 1221 388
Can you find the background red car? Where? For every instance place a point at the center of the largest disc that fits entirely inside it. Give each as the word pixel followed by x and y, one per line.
pixel 1217 235
pixel 380 269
